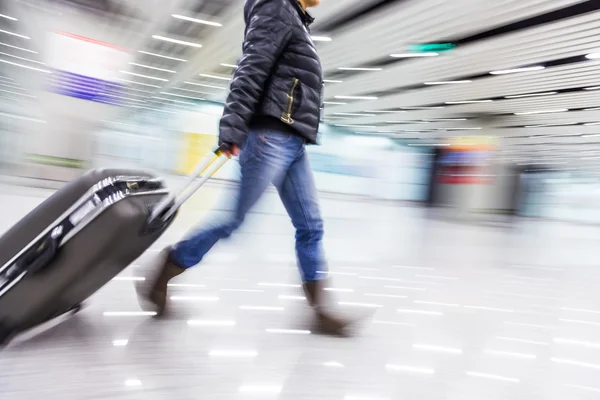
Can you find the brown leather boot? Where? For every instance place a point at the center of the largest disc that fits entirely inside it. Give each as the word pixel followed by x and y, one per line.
pixel 327 323
pixel 154 297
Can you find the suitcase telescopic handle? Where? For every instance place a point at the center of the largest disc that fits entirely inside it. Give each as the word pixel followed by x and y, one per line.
pixel 209 165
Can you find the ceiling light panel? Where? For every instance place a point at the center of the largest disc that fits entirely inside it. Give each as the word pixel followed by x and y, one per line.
pixel 518 96
pixel 14 34
pixel 321 39
pixel 195 91
pixel 153 68
pixel 359 69
pixel 469 102
pixel 355 114
pixel 559 110
pixel 205 85
pixel 162 56
pixel 8 17
pixel 144 76
pixel 447 82
pixel 222 78
pixel 24 66
pixel 21 58
pixel 136 83
pixel 518 70
pixel 181 95
pixel 176 41
pixel 196 20
pixel 356 97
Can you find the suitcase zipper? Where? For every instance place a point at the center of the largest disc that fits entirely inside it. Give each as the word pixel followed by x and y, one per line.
pixel 286 115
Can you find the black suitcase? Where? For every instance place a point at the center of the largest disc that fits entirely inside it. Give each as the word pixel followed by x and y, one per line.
pixel 82 236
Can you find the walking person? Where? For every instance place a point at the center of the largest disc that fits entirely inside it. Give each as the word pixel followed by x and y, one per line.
pixel 271 114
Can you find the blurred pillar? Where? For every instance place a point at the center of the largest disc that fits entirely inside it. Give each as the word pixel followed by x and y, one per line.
pixel 473 196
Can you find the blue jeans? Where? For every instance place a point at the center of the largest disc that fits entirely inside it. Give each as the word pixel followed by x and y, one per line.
pixel 278 158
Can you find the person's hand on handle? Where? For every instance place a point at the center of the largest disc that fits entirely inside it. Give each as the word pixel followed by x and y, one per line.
pixel 232 151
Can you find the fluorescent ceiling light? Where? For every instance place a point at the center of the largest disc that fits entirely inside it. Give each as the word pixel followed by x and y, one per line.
pixel 138 90
pixel 10 85
pixel 17 93
pixel 8 17
pixel 229 65
pixel 446 82
pixel 546 125
pixel 356 114
pixel 385 111
pixel 334 103
pixel 359 69
pixel 447 119
pixel 332 81
pixel 424 108
pixel 174 101
pixel 593 56
pixel 22 58
pixel 321 38
pixel 414 55
pixel 154 68
pixel 205 85
pixel 469 102
pixel 130 99
pixel 136 83
pixel 196 20
pixel 223 78
pixel 144 76
pixel 355 126
pixel 460 129
pixel 15 34
pixel 177 41
pixel 592 88
pixel 356 97
pixel 518 96
pixel 25 66
pixel 180 95
pixel 195 91
pixel 161 56
pixel 517 70
pixel 153 109
pixel 543 111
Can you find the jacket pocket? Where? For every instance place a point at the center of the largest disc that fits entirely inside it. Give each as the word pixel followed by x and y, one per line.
pixel 286 114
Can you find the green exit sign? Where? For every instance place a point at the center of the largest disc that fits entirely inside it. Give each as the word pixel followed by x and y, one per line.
pixel 431 47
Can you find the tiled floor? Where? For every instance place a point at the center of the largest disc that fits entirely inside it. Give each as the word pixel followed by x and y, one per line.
pixel 461 311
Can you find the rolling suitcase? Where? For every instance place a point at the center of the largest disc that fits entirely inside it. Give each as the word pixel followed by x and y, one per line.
pixel 82 236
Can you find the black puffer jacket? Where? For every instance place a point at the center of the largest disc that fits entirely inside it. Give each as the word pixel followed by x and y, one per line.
pixel 279 76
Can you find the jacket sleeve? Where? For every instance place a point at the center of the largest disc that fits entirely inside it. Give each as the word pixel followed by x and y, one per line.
pixel 267 34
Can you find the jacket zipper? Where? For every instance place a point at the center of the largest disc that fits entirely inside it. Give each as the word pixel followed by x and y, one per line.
pixel 286 115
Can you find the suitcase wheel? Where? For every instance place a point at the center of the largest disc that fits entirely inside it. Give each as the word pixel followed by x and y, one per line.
pixel 5 336
pixel 75 309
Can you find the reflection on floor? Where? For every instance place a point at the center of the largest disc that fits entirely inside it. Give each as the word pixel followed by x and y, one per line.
pixel 462 312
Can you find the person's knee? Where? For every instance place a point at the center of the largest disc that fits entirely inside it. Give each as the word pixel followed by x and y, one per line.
pixel 312 232
pixel 229 227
